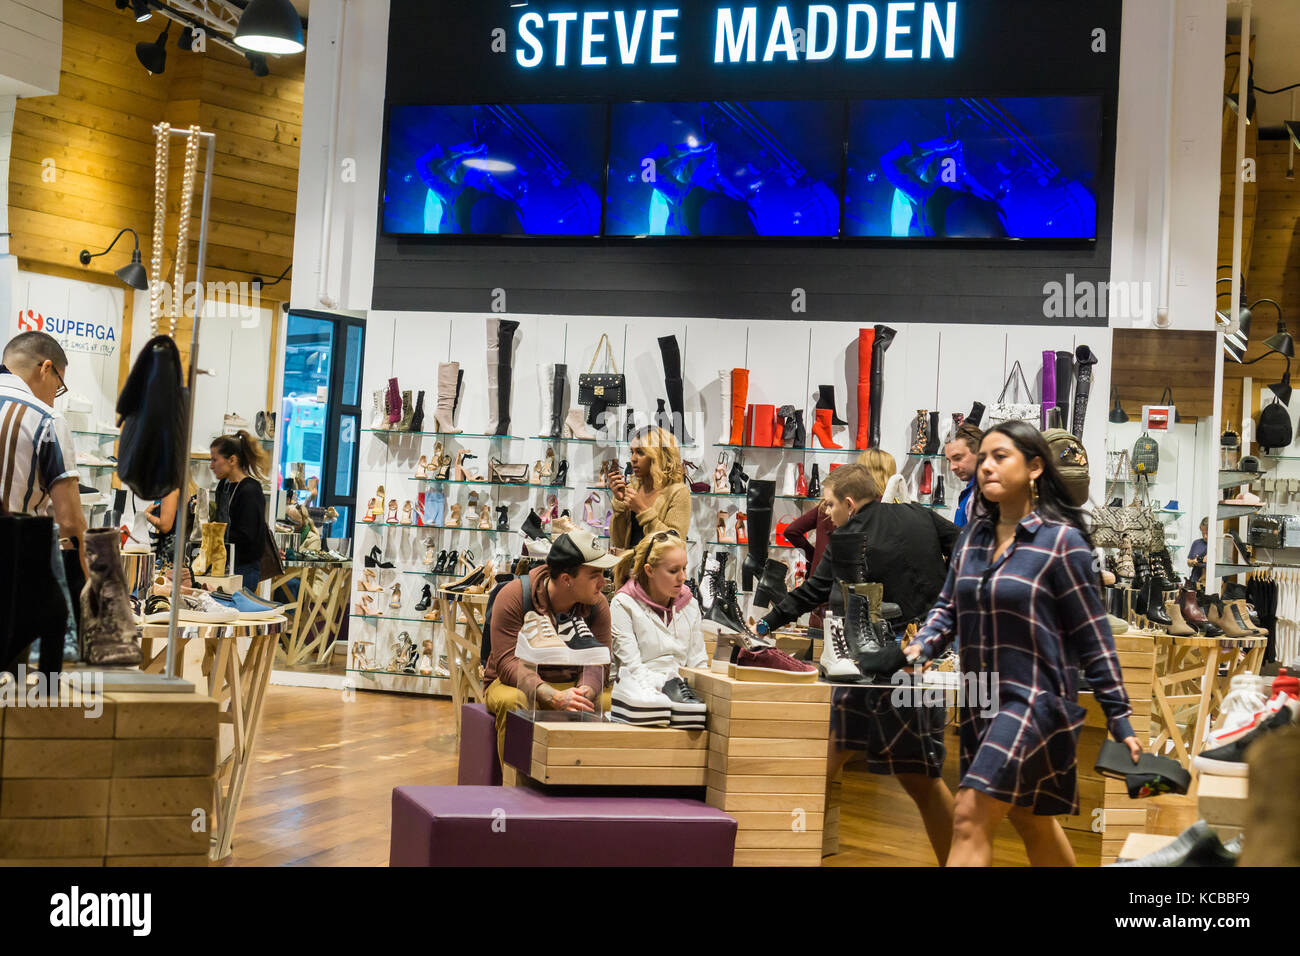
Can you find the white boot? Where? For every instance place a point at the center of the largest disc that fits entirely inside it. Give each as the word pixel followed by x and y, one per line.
pixel 724 378
pixel 380 418
pixel 444 413
pixel 838 663
pixel 547 383
pixel 789 481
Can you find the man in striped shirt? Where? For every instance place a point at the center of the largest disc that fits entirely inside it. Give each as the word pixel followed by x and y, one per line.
pixel 38 473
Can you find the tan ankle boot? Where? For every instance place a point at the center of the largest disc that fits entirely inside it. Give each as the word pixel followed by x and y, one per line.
pixel 1221 615
pixel 1241 614
pixel 214 546
pixel 1179 627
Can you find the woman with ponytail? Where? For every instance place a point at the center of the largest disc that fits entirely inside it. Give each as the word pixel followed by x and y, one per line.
pixel 240 463
pixel 656 621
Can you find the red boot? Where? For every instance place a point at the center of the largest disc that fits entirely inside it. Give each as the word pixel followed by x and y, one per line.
pixel 764 417
pixel 801 483
pixel 739 392
pixel 927 478
pixel 822 428
pixel 866 339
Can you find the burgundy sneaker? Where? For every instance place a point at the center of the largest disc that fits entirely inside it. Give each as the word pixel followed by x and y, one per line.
pixel 772 666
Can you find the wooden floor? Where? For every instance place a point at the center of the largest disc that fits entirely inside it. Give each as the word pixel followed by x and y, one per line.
pixel 325 767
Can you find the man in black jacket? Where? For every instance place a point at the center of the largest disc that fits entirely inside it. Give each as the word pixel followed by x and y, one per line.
pixel 905 547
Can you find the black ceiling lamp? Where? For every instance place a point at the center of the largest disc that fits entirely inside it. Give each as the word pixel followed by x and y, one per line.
pixel 153 56
pixel 141 10
pixel 186 42
pixel 132 274
pixel 1282 389
pixel 257 63
pixel 1117 414
pixel 1233 99
pixel 1280 341
pixel 270 26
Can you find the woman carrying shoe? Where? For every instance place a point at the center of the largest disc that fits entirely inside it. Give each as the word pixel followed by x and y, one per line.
pixel 239 463
pixel 656 620
pixel 1023 600
pixel 657 498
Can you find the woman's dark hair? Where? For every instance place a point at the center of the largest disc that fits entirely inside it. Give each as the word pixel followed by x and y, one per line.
pixel 248 450
pixel 1053 498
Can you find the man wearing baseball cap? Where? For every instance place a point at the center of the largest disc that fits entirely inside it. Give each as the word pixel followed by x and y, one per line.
pixel 566 592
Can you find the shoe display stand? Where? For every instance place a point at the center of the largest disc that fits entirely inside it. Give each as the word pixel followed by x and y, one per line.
pixel 316 617
pixel 1188 687
pixel 461 632
pixel 237 659
pixel 1223 803
pixel 767 765
pixel 120 788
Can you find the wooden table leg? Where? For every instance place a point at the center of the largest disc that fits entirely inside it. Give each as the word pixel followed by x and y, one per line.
pixel 1208 683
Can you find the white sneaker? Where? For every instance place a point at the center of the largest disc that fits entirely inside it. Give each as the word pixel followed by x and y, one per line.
pixel 234 423
pixel 538 642
pixel 633 702
pixel 201 607
pixel 838 663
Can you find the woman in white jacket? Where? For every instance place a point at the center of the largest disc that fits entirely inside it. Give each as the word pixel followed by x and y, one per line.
pixel 656 631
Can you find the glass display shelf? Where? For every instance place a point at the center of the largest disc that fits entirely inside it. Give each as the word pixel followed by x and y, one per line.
pixel 491 484
pixel 918 455
pixel 104 467
pixel 744 544
pixel 924 505
pixel 389 431
pixel 597 441
pixel 99 435
pixel 381 670
pixel 387 617
pixel 809 450
pixel 1226 512
pixel 1230 479
pixel 429 572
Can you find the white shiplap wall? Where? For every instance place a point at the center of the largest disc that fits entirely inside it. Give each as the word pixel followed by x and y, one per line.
pixel 31 46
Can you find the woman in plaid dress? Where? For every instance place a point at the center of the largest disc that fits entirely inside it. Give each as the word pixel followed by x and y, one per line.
pixel 1022 599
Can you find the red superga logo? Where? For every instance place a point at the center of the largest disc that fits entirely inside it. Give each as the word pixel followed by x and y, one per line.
pixel 31 321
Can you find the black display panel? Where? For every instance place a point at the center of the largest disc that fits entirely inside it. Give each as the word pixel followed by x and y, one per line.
pixel 725 169
pixel 503 170
pixel 973 167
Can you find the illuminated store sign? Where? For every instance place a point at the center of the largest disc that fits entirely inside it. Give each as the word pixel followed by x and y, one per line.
pixel 787 33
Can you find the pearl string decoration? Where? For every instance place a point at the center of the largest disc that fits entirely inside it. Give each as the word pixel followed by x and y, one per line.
pixel 161 148
pixel 183 226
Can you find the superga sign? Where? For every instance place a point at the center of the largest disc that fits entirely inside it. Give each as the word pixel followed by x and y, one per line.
pixel 897 30
pixel 95 338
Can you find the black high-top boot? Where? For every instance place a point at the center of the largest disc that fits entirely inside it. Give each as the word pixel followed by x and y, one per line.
pixel 771 586
pixel 727 617
pixel 878 653
pixel 738 478
pixel 814 483
pixel 800 432
pixel 884 337
pixel 417 419
pixel 558 409
pixel 712 580
pixel 1085 360
pixel 847 552
pixel 932 443
pixel 672 357
pixel 760 495
pixel 826 399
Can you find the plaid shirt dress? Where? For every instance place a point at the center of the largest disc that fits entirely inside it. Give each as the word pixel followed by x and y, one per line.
pixel 1026 622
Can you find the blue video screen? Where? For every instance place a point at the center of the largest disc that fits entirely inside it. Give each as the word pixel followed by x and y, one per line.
pixel 973 167
pixel 725 169
pixel 516 170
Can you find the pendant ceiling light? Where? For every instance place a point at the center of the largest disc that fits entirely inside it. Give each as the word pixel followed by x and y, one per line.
pixel 1282 389
pixel 1117 414
pixel 270 26
pixel 131 274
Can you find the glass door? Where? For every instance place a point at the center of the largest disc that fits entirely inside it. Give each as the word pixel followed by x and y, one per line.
pixel 320 412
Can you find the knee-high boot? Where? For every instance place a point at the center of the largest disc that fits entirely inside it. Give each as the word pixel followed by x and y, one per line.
pixel 884 337
pixel 1085 360
pixel 505 364
pixel 1048 388
pixel 760 495
pixel 1064 385
pixel 866 340
pixel 558 408
pixel 672 357
pixel 108 631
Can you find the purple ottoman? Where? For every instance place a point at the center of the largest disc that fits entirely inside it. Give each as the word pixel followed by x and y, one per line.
pixel 516 826
pixel 478 765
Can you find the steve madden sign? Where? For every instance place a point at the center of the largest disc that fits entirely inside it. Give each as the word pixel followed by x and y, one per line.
pixel 786 33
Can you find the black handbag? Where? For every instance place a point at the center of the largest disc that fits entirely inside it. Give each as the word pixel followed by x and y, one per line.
pixel 153 411
pixel 602 388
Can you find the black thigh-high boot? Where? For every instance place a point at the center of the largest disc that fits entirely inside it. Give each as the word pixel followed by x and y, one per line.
pixel 884 336
pixel 505 362
pixel 1064 385
pixel 672 357
pixel 558 409
pixel 760 495
pixel 1085 360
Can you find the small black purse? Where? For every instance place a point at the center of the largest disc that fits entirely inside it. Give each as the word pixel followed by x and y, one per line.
pixel 602 388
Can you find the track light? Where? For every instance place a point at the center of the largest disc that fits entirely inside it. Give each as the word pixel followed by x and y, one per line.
pixel 153 56
pixel 186 42
pixel 270 26
pixel 257 63
pixel 141 10
pixel 132 274
pixel 1282 389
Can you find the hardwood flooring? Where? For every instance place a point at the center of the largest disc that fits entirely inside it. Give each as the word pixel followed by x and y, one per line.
pixel 324 769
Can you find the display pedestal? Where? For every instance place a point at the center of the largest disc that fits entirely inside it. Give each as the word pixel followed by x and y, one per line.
pixel 767 765
pixel 108 779
pixel 237 682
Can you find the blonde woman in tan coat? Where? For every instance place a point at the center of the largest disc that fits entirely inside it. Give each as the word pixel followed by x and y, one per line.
pixel 657 498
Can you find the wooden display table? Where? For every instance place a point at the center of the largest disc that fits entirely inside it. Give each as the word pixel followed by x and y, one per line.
pixel 605 754
pixel 462 641
pixel 767 765
pixel 109 779
pixel 1138 845
pixel 237 682
pixel 318 613
pixel 1188 688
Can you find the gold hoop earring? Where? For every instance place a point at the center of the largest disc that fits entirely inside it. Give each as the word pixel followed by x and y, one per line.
pixel 1033 491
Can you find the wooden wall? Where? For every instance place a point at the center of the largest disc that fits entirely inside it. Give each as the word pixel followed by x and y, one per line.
pixel 1144 362
pixel 99 132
